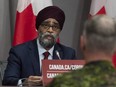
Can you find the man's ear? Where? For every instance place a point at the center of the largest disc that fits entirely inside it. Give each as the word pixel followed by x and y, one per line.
pixel 37 31
pixel 114 51
pixel 82 42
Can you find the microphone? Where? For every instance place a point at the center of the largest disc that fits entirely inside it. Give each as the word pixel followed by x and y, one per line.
pixel 57 53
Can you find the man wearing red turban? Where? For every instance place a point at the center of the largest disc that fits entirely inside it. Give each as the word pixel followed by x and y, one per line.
pixel 24 60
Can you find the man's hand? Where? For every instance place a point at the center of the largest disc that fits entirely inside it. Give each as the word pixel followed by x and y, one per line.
pixel 33 81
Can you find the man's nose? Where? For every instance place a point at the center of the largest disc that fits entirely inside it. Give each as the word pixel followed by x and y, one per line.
pixel 50 29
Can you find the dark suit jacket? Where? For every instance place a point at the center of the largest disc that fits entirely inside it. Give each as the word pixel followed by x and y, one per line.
pixel 23 61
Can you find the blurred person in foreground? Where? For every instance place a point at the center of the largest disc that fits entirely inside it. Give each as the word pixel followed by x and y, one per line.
pixel 98 42
pixel 24 61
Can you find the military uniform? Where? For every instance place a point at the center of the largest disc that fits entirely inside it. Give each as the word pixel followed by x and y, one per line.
pixel 93 74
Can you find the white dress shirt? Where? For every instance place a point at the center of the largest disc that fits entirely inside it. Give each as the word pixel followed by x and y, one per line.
pixel 41 50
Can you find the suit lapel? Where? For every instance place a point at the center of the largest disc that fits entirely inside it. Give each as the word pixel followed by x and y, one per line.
pixel 34 57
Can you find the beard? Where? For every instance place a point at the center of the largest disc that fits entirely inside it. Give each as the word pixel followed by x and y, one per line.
pixel 47 40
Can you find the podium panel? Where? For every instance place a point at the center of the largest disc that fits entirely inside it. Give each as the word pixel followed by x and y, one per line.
pixel 52 68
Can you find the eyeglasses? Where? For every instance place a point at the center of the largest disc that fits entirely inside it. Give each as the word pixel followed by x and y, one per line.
pixel 47 26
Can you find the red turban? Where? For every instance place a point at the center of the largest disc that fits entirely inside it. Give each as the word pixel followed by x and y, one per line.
pixel 50 12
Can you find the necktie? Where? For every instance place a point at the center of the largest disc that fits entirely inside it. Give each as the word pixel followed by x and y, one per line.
pixel 46 54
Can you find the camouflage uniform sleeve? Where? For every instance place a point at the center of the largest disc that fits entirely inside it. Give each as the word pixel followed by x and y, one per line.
pixel 65 80
pixel 100 75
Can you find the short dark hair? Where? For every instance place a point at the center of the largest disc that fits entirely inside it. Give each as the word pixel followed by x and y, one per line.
pixel 100 32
